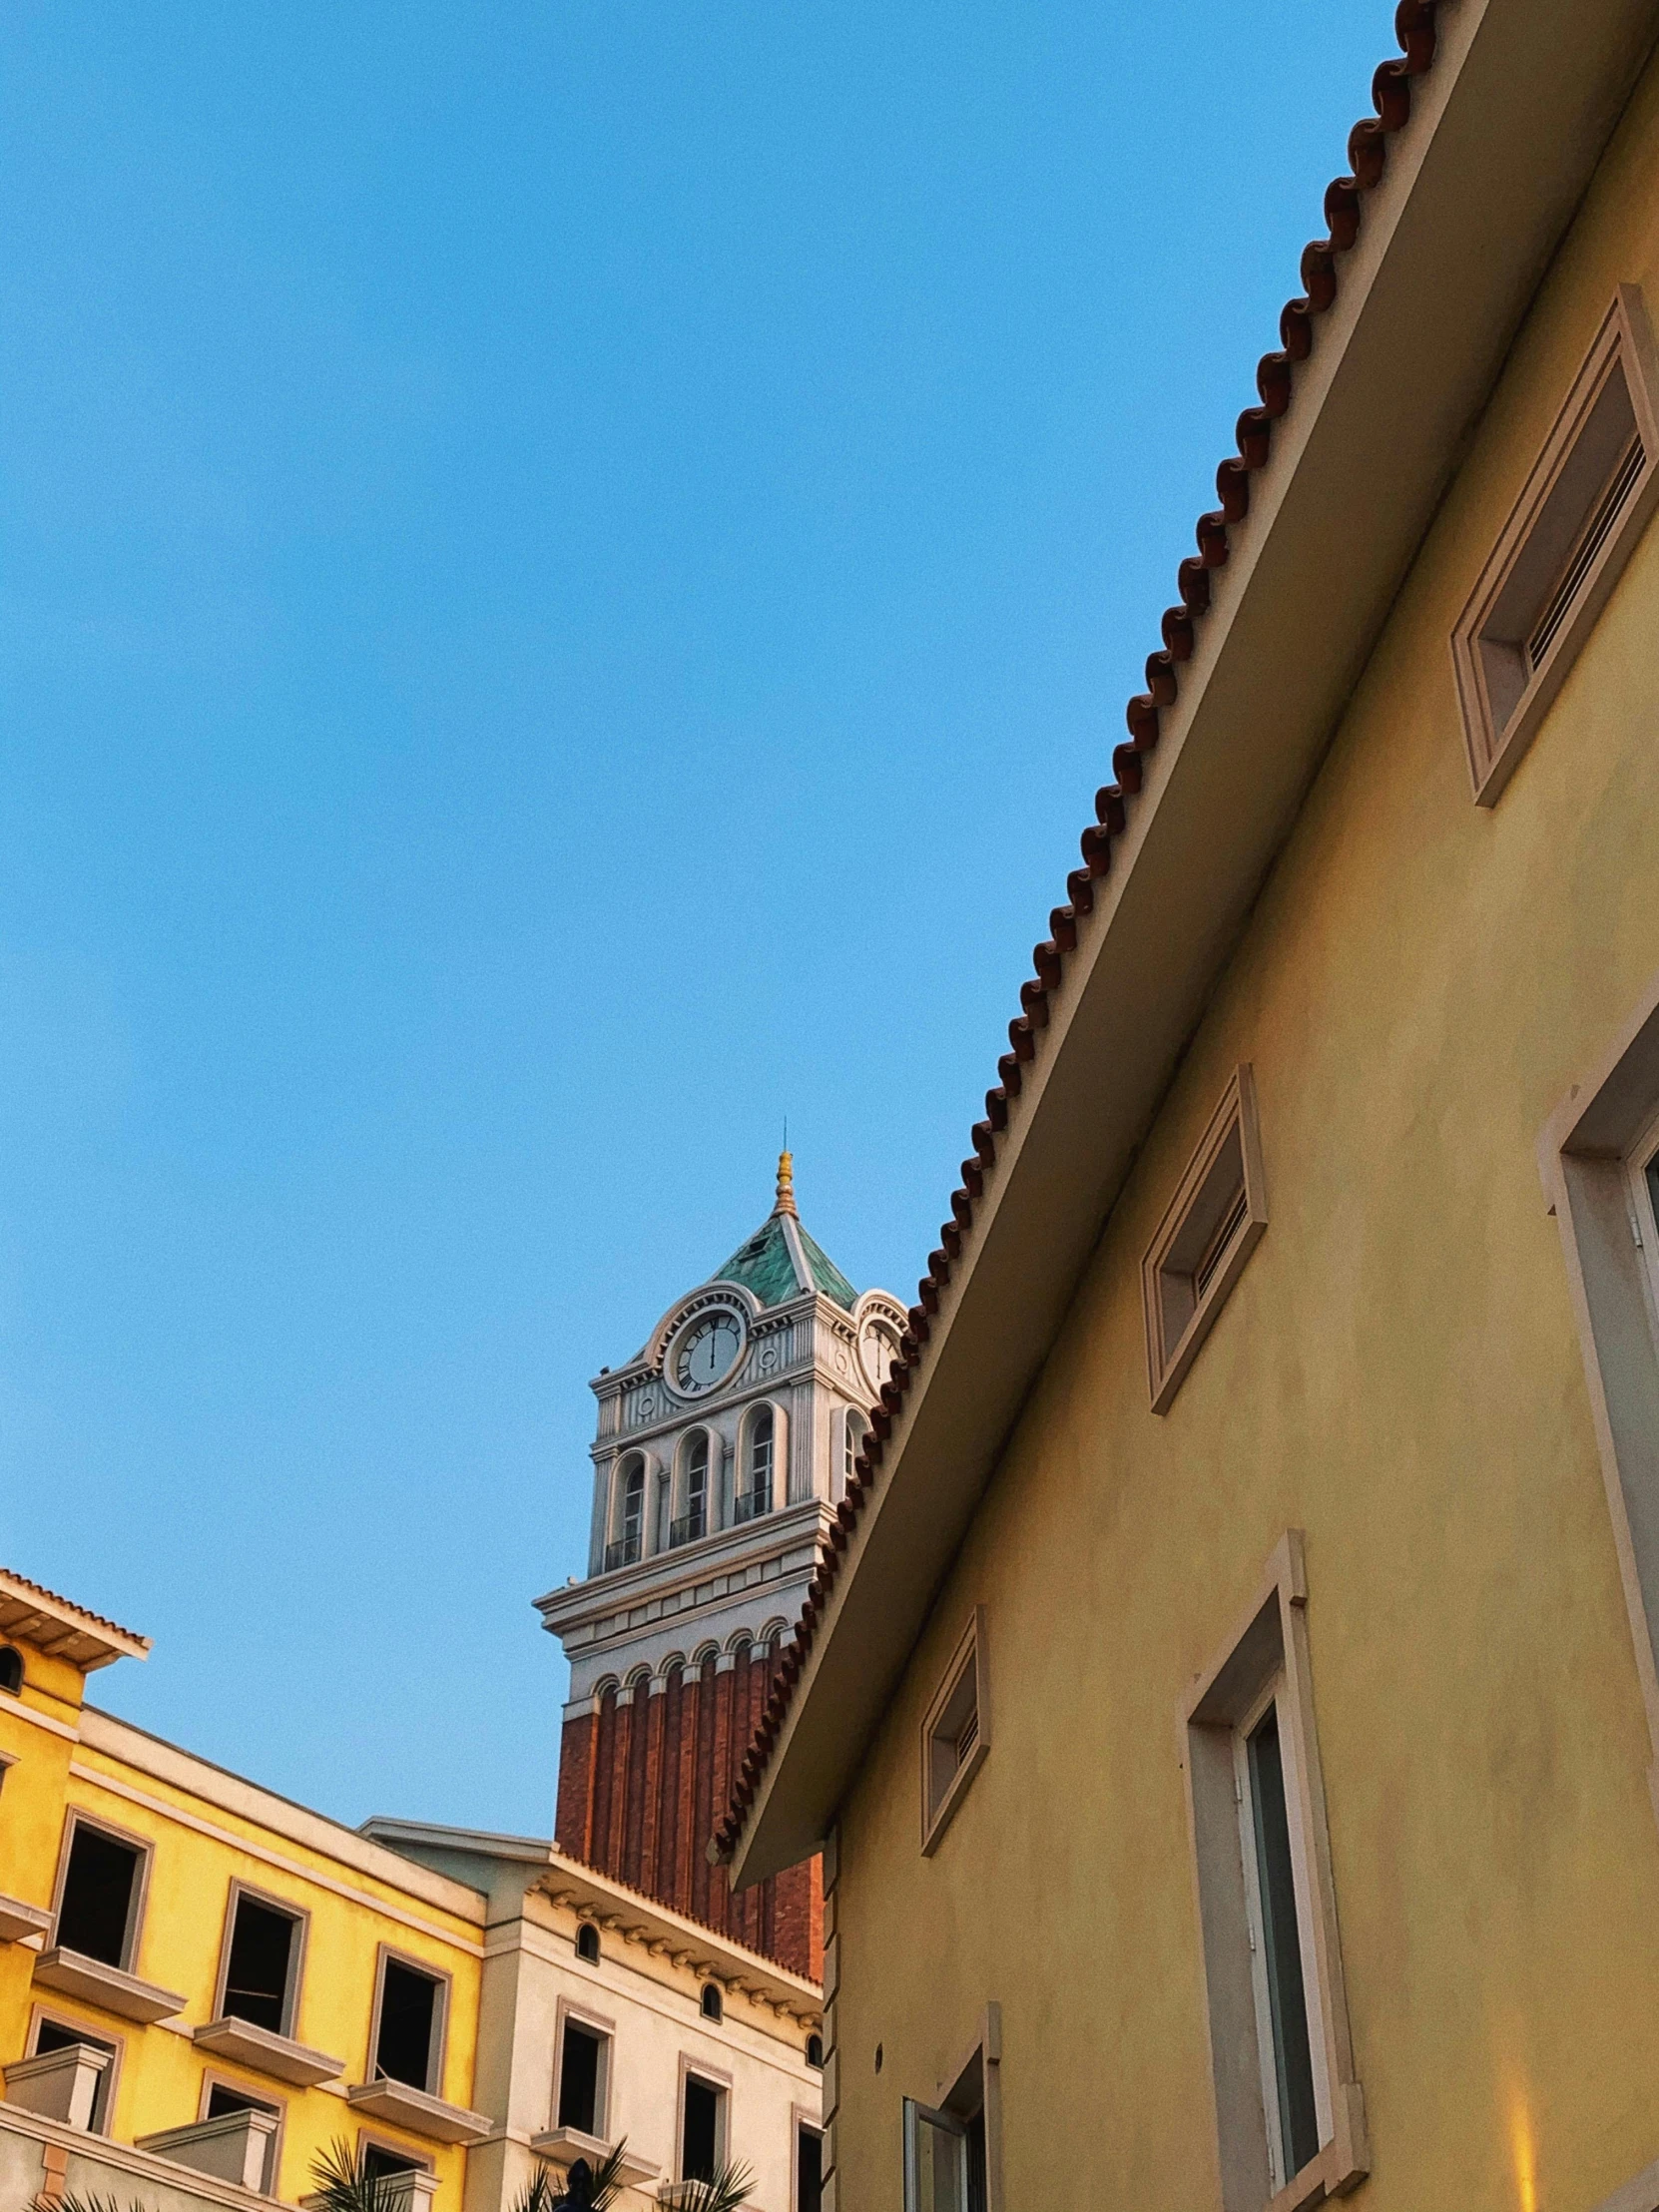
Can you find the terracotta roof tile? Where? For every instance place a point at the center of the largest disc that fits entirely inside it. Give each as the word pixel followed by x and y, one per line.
pixel 1367 148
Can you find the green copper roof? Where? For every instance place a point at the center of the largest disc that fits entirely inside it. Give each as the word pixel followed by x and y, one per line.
pixel 767 1265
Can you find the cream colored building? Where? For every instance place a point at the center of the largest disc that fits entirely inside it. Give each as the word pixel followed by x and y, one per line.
pixel 1229 1709
pixel 606 2017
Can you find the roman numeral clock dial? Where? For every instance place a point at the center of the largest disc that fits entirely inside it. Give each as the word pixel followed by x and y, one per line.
pixel 708 1351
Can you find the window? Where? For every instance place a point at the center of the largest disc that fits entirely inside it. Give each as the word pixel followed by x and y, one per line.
pixel 755 1498
pixel 1288 2107
pixel 713 2003
pixel 587 1943
pixel 408 2023
pixel 809 2169
pixel 1209 1230
pixel 53 2034
pixel 262 1962
pixel 955 1735
pixel 1599 1156
pixel 702 2128
pixel 814 2051
pixel 103 1884
pixel 694 1521
pixel 1560 553
pixel 951 2154
pixel 11 1669
pixel 855 1429
pixel 625 1551
pixel 224 2100
pixel 584 2055
pixel 381 2163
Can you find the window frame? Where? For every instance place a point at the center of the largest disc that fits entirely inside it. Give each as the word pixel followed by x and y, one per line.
pixel 969 1652
pixel 1592 1153
pixel 438 2052
pixel 1168 1361
pixel 1267 1660
pixel 101 2038
pixel 804 2122
pixel 1623 345
pixel 76 1818
pixel 301 1920
pixel 712 2078
pixel 9 1650
pixel 572 2013
pixel 368 2138
pixel 971 2089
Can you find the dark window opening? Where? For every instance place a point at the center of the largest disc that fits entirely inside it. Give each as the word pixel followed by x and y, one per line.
pixel 587 1943
pixel 714 2005
pixel 100 1892
pixel 53 2036
pixel 11 1669
pixel 579 2079
pixel 809 2170
pixel 700 2134
pixel 1281 1948
pixel 814 2051
pixel 262 1955
pixel 223 2100
pixel 380 2164
pixel 403 2049
pixel 978 2193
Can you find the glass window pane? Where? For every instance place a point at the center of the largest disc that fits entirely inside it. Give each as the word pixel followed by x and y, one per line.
pixel 940 2166
pixel 1292 2056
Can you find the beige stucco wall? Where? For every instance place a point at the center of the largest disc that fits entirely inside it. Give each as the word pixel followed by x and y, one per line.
pixel 1399 1374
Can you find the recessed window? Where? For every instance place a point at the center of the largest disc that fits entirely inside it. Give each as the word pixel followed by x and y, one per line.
pixel 587 1943
pixel 11 1669
pixel 702 2128
pixel 1287 2104
pixel 1209 1230
pixel 625 1549
pixel 955 1735
pixel 410 2024
pixel 948 2164
pixel 261 1966
pixel 693 1524
pixel 855 1429
pixel 814 2051
pixel 583 2066
pixel 713 2003
pixel 223 2100
pixel 64 2036
pixel 1563 550
pixel 98 1910
pixel 809 2169
pixel 755 1491
pixel 380 2162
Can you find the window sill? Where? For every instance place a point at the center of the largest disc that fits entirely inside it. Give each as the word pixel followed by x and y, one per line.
pixel 402 2106
pixel 76 1976
pixel 18 1920
pixel 566 2145
pixel 247 2045
pixel 1342 2164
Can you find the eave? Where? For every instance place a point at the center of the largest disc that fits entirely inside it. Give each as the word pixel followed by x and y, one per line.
pixel 1485 141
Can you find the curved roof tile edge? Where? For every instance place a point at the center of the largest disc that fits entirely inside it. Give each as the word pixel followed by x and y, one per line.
pixel 1367 153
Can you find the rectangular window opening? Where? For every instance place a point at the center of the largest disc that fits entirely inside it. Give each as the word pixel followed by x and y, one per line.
pixel 703 2129
pixel 53 2036
pixel 809 2170
pixel 1209 1230
pixel 98 1913
pixel 582 2079
pixel 405 2045
pixel 260 1973
pixel 954 1736
pixel 383 2164
pixel 1561 551
pixel 222 2099
pixel 1279 1955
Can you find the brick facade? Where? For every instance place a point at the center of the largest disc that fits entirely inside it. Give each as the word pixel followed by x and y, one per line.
pixel 643 1782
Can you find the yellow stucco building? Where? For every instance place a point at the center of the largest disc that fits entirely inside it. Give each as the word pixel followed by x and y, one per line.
pixel 1229 1709
pixel 203 1986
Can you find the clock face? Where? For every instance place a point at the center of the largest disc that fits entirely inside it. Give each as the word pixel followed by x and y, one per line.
pixel 706 1351
pixel 880 1348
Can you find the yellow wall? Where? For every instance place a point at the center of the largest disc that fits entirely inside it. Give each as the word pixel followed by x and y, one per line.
pixel 199 1846
pixel 1399 1374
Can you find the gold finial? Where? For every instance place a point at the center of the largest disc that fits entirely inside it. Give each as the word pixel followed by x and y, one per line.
pixel 785 1184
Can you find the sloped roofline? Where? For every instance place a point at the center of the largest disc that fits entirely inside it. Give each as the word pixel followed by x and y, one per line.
pixel 1486 131
pixel 63 1629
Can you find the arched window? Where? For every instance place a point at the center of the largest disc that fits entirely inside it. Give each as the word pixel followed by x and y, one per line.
pixel 628 1541
pixel 587 1943
pixel 694 1521
pixel 754 1493
pixel 855 1429
pixel 714 2005
pixel 11 1669
pixel 814 2051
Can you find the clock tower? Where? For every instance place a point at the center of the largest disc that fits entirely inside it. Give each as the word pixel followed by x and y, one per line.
pixel 723 1448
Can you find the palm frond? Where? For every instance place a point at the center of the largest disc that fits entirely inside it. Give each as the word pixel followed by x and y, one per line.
pixel 594 2186
pixel 344 2183
pixel 725 2190
pixel 76 2203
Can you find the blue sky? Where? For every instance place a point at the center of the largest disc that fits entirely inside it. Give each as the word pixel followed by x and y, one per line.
pixel 570 574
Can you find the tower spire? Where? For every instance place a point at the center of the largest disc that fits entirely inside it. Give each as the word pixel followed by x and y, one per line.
pixel 786 1184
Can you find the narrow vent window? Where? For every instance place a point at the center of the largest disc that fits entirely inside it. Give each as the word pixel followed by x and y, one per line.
pixel 1209 1230
pixel 1625 479
pixel 954 1736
